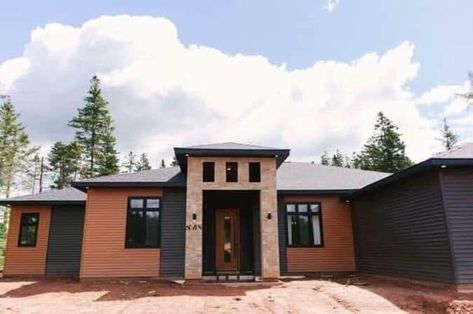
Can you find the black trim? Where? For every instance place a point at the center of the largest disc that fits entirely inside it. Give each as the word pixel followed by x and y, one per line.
pixel 84 185
pixel 311 228
pixel 33 202
pixel 145 209
pixel 22 225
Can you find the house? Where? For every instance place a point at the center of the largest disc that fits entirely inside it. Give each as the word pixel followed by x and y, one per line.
pixel 241 211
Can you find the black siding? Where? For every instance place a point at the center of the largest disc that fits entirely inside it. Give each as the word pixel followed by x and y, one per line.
pixel 458 197
pixel 282 236
pixel 65 241
pixel 400 229
pixel 173 220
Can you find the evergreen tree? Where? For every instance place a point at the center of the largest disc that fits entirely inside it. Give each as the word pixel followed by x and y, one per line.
pixel 143 163
pixel 324 159
pixel 384 151
pixel 64 162
pixel 174 162
pixel 468 96
pixel 449 137
pixel 16 151
pixel 163 164
pixel 94 131
pixel 130 162
pixel 338 159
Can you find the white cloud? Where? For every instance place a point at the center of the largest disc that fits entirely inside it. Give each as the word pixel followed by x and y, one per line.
pixel 332 4
pixel 163 93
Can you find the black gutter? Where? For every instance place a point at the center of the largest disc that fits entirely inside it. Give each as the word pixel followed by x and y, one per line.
pixel 316 192
pixel 84 185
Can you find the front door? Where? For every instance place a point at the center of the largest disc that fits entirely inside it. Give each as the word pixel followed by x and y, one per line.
pixel 227 240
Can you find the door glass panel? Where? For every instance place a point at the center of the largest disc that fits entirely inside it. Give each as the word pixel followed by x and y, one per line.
pixel 227 239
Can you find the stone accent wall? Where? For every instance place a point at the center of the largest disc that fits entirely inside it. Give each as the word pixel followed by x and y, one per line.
pixel 268 199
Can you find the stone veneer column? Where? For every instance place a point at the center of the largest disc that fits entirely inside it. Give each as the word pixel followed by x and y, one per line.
pixel 193 257
pixel 269 228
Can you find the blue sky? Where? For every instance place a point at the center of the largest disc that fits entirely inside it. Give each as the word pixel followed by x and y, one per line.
pixel 294 32
pixel 275 73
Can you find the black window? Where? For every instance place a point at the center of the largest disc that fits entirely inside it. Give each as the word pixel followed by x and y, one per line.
pixel 208 174
pixel 143 222
pixel 304 224
pixel 28 229
pixel 255 171
pixel 232 171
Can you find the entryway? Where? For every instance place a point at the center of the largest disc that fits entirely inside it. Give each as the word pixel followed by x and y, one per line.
pixel 231 235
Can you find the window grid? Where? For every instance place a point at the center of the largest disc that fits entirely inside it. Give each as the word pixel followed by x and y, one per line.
pixel 139 222
pixel 309 213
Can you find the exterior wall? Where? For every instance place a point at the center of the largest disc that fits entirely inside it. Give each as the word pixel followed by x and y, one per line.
pixel 268 204
pixel 457 187
pixel 401 230
pixel 173 218
pixel 337 253
pixel 103 247
pixel 27 260
pixel 65 241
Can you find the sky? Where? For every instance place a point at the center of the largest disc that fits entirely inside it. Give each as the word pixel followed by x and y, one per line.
pixel 305 75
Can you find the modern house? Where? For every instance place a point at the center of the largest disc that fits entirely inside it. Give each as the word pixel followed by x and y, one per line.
pixel 237 211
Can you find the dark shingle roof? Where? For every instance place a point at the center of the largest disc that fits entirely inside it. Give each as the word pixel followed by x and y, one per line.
pixel 303 176
pixel 66 195
pixel 461 151
pixel 171 177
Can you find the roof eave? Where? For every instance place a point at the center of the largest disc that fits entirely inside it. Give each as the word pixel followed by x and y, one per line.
pixel 40 202
pixel 342 192
pixel 84 185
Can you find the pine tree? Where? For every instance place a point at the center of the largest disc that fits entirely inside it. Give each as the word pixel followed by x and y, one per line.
pixel 130 162
pixel 94 131
pixel 163 164
pixel 143 163
pixel 324 159
pixel 338 159
pixel 16 151
pixel 174 162
pixel 468 96
pixel 64 162
pixel 449 137
pixel 384 151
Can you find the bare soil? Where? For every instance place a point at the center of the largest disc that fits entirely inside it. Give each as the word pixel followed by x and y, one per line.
pixel 343 295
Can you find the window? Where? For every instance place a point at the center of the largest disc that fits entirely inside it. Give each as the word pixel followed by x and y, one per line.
pixel 304 224
pixel 143 223
pixel 208 174
pixel 28 229
pixel 255 171
pixel 232 171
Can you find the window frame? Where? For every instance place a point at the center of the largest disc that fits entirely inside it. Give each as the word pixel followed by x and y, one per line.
pixel 236 170
pixel 250 164
pixel 203 171
pixel 311 228
pixel 21 229
pixel 144 210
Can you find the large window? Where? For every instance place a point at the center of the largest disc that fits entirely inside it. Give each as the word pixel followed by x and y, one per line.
pixel 231 171
pixel 208 171
pixel 28 229
pixel 143 222
pixel 304 224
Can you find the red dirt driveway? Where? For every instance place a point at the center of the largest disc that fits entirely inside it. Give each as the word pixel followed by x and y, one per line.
pixel 368 295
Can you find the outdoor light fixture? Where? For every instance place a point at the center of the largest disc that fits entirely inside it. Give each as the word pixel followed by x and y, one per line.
pixel 443 166
pixel 269 216
pixel 194 217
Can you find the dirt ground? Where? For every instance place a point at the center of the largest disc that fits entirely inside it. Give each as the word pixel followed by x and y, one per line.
pixel 360 295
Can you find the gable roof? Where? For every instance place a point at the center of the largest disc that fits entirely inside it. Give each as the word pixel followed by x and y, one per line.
pixel 163 177
pixel 65 196
pixel 229 149
pixel 304 177
pixel 461 151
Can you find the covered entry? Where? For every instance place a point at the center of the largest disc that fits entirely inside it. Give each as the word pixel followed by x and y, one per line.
pixel 231 234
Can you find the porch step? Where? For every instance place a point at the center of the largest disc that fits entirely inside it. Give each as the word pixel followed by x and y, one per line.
pixel 229 278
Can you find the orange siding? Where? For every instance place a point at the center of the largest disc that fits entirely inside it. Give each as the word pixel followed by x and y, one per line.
pixel 103 247
pixel 337 254
pixel 27 260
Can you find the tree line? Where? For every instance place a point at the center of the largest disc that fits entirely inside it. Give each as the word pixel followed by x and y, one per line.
pixel 385 150
pixel 91 153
